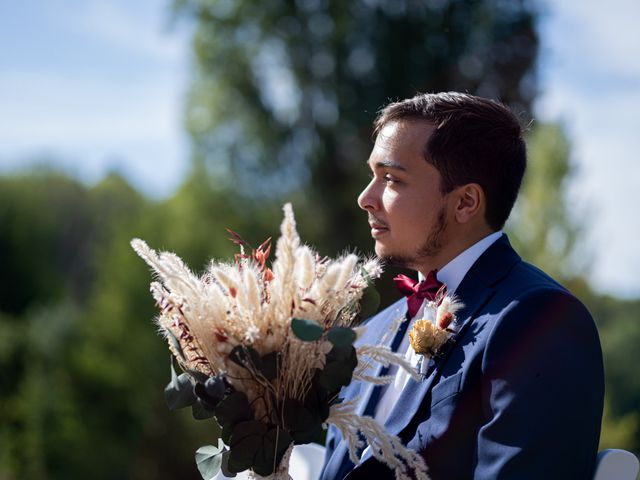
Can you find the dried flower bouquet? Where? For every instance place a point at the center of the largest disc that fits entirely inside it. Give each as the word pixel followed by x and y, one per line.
pixel 266 351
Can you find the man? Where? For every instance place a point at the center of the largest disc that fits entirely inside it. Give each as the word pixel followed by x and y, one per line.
pixel 517 393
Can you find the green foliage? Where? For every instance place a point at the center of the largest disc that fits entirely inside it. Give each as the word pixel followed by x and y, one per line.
pixel 341 336
pixel 306 330
pixel 179 391
pixel 284 93
pixel 545 226
pixel 337 372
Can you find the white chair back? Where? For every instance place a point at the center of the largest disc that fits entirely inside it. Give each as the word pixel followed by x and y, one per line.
pixel 616 464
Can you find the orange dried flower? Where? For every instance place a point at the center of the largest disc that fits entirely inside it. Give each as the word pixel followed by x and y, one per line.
pixel 426 338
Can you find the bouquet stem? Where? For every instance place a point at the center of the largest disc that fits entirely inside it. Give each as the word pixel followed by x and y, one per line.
pixel 282 471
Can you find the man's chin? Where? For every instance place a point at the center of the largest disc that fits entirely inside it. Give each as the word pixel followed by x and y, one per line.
pixel 395 260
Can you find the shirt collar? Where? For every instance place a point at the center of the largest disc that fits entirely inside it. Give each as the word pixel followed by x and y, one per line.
pixel 454 271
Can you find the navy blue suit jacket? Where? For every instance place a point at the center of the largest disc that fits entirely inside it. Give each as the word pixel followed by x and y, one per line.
pixel 517 394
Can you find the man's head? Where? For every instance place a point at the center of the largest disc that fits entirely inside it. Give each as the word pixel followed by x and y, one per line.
pixel 446 168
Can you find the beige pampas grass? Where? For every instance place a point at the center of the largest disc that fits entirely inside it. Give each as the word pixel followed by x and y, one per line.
pixel 246 303
pixel 386 448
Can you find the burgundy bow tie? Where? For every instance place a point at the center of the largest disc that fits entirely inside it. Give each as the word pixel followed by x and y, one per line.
pixel 416 292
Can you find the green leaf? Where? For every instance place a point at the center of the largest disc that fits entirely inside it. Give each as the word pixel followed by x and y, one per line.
pixel 318 399
pixel 246 357
pixel 244 430
pixel 246 441
pixel 200 410
pixel 305 426
pixel 179 391
pixel 369 302
pixel 209 460
pixel 337 372
pixel 175 343
pixel 276 442
pixel 232 409
pixel 215 389
pixel 225 465
pixel 341 336
pixel 270 365
pixel 306 330
pixel 198 376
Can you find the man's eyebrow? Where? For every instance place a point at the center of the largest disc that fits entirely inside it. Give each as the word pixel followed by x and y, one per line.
pixel 390 164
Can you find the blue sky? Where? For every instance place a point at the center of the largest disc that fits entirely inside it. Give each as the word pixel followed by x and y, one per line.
pixel 121 65
pixel 97 84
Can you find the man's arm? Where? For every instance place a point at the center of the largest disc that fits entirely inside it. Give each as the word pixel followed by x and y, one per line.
pixel 542 391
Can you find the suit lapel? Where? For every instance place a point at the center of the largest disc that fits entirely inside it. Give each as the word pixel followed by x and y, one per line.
pixel 414 392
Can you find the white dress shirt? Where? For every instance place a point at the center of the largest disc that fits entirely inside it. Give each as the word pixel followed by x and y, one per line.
pixel 451 275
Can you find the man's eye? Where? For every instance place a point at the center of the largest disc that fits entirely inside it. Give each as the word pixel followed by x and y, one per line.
pixel 390 179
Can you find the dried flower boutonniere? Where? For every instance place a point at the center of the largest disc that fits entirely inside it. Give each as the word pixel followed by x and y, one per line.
pixel 429 334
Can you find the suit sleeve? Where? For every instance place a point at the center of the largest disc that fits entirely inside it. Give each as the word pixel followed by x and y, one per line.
pixel 542 391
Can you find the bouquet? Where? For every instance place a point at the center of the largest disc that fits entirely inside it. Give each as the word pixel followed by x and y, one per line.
pixel 266 350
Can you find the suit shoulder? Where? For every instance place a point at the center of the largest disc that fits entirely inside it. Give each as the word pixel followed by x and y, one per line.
pixel 529 277
pixel 527 294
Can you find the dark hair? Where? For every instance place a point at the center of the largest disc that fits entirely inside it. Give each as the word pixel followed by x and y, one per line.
pixel 475 140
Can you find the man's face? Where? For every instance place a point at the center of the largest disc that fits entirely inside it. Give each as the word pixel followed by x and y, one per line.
pixel 407 212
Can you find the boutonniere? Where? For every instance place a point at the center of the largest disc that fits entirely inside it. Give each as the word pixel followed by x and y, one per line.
pixel 429 334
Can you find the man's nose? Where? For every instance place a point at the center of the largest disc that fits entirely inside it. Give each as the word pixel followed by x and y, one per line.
pixel 367 199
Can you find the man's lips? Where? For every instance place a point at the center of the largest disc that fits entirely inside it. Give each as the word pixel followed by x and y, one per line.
pixel 377 228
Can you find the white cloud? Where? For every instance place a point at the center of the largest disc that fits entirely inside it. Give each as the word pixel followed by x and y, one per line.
pixel 94 126
pixel 60 109
pixel 120 26
pixel 604 36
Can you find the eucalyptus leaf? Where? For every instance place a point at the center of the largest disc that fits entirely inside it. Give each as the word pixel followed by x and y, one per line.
pixel 198 376
pixel 179 391
pixel 209 460
pixel 250 428
pixel 338 370
pixel 201 411
pixel 276 442
pixel 369 302
pixel 246 357
pixel 244 452
pixel 225 465
pixel 305 426
pixel 306 330
pixel 232 409
pixel 270 365
pixel 175 343
pixel 341 336
pixel 215 388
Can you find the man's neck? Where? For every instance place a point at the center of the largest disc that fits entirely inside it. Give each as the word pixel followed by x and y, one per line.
pixel 456 244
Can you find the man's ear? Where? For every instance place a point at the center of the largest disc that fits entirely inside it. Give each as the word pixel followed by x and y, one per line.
pixel 469 203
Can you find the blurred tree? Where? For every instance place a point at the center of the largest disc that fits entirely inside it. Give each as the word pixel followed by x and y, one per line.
pixel 544 227
pixel 284 93
pixel 81 366
pixel 46 229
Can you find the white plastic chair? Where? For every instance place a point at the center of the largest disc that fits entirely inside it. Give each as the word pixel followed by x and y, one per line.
pixel 616 464
pixel 305 464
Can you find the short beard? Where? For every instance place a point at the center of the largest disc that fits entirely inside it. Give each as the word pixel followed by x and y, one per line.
pixel 429 249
